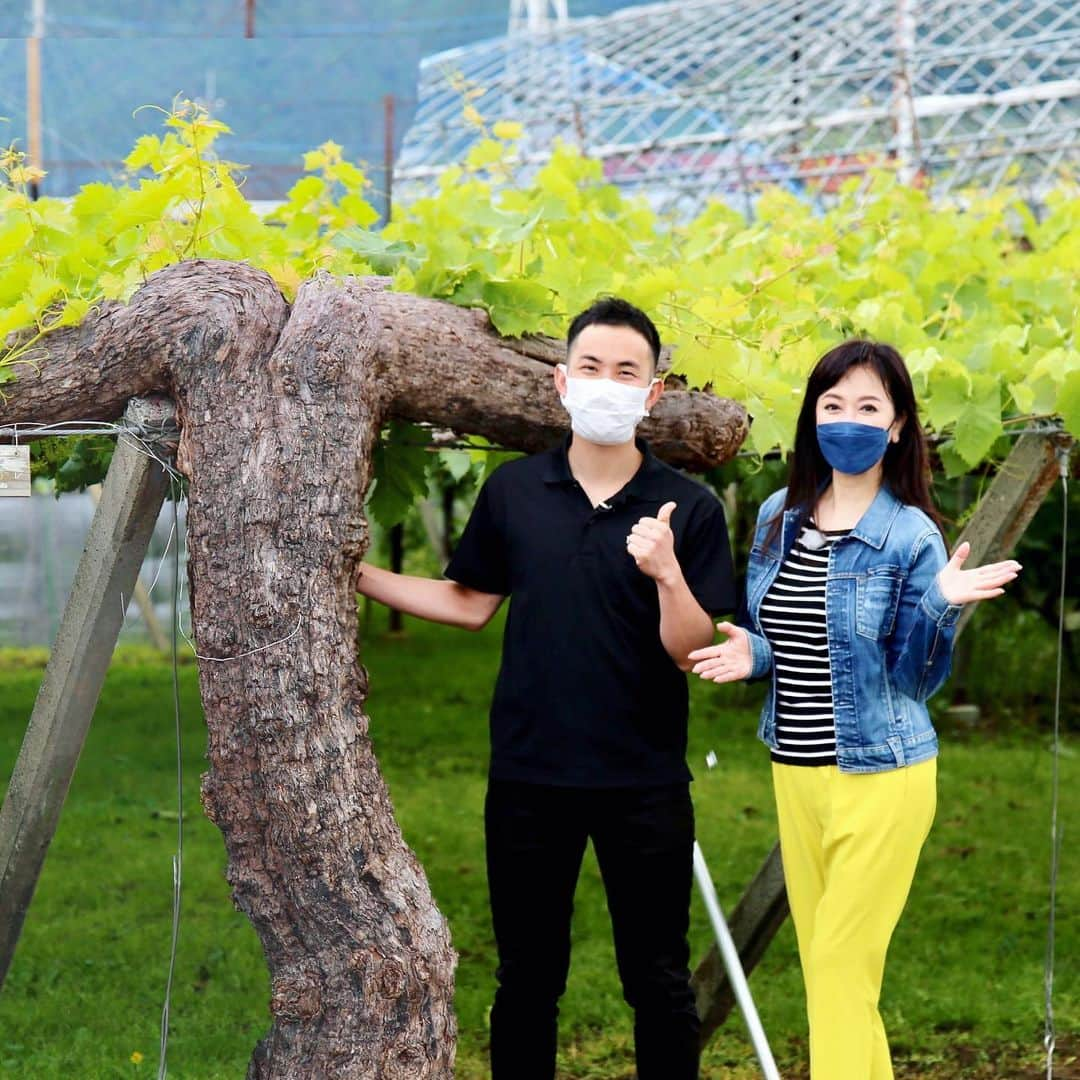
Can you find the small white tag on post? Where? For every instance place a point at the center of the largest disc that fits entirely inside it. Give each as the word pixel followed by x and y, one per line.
pixel 14 470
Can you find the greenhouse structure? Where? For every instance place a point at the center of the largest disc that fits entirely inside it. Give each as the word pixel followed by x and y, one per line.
pixel 702 99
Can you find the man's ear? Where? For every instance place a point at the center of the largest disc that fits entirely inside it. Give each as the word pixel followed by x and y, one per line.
pixel 655 392
pixel 559 374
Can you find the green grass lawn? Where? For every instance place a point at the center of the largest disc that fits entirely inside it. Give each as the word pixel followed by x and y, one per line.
pixel 963 993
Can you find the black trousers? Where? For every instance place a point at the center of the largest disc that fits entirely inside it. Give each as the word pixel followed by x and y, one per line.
pixel 643 838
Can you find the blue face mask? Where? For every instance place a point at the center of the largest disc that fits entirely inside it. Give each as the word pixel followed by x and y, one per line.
pixel 852 448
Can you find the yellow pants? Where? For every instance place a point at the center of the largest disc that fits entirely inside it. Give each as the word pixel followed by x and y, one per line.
pixel 850 843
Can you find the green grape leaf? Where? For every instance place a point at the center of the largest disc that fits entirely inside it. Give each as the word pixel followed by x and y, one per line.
pixel 517 307
pixel 949 386
pixel 457 463
pixel 15 234
pixel 147 152
pixel 951 461
pixel 765 432
pixel 95 200
pixel 383 256
pixel 16 317
pixel 359 210
pixel 1023 395
pixel 978 426
pixel 400 466
pixel 484 153
pixel 1068 403
pixel 41 290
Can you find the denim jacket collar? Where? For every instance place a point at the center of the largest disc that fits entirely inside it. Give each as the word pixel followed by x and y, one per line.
pixel 872 528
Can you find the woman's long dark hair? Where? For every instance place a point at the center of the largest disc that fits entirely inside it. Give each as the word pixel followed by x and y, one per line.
pixel 905 467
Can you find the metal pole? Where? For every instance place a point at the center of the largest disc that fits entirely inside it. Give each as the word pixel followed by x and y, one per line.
pixel 903 103
pixel 249 18
pixel 797 80
pixel 33 90
pixel 388 153
pixel 736 975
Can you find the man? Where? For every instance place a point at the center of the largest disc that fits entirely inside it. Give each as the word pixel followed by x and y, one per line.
pixel 614 564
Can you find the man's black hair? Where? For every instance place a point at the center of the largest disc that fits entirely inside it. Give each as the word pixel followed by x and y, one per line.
pixel 614 311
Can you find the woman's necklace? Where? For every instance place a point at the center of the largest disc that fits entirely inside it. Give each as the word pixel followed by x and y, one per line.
pixel 813 538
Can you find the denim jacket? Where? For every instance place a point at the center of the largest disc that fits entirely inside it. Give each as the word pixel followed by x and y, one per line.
pixel 890 630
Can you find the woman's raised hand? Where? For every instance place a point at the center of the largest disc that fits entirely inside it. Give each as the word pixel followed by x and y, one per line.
pixel 729 661
pixel 960 586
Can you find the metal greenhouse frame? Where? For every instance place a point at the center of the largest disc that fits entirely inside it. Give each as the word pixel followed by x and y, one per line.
pixel 687 101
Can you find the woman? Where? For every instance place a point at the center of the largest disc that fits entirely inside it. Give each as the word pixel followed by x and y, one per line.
pixel 851 606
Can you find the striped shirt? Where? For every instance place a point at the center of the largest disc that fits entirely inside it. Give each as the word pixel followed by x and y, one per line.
pixel 793 618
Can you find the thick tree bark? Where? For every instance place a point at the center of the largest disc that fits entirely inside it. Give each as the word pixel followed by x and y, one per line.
pixel 437 363
pixel 279 412
pixel 445 366
pixel 279 453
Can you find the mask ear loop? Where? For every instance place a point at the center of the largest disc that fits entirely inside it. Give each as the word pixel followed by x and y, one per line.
pixel 655 379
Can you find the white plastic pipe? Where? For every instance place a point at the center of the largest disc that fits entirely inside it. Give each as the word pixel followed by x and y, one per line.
pixel 734 967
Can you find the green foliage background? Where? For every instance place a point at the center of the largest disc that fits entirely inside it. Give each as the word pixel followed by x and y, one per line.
pixel 981 296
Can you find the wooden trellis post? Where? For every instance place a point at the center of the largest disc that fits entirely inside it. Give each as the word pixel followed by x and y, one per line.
pixel 116 544
pixel 1016 493
pixel 141 596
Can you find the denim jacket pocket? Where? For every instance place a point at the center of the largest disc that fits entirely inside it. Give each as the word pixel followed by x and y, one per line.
pixel 876 597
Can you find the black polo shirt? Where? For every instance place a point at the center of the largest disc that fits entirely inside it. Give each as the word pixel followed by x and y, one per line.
pixel 587 696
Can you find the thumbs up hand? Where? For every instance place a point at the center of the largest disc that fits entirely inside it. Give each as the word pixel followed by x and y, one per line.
pixel 960 586
pixel 651 544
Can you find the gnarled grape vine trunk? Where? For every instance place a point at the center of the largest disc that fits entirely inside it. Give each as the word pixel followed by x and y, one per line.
pixel 279 410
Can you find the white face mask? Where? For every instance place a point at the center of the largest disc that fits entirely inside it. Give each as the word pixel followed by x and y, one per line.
pixel 604 411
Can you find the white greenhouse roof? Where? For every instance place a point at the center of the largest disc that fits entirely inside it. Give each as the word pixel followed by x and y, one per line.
pixel 686 101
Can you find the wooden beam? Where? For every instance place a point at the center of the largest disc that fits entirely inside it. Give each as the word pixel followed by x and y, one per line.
pixel 1016 493
pixel 141 595
pixel 116 544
